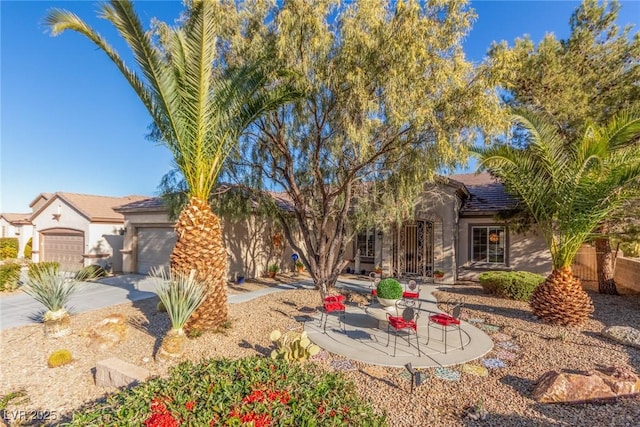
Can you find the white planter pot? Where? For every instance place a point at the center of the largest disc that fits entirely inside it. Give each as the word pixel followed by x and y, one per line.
pixel 388 304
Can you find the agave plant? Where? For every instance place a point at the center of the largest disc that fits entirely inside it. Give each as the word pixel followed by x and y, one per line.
pixel 53 290
pixel 181 294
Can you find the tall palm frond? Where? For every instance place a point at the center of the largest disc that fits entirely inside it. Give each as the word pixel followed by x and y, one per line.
pixel 200 106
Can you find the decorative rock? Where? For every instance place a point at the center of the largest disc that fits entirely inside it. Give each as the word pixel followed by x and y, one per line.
pixel 447 374
pixel 109 332
pixel 489 328
pixel 506 355
pixel 494 363
pixel 477 370
pixel 508 345
pixel 375 371
pixel 601 384
pixel 623 334
pixel 343 365
pixel 114 372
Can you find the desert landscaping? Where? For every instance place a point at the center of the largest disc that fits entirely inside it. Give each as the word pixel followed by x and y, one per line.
pixel 452 397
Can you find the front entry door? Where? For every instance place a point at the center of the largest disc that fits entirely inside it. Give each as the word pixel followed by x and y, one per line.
pixel 415 249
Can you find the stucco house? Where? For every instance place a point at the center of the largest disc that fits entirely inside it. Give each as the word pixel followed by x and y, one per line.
pixel 455 230
pixel 16 225
pixel 252 243
pixel 77 230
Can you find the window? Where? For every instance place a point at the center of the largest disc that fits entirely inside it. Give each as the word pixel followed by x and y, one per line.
pixel 365 241
pixel 488 244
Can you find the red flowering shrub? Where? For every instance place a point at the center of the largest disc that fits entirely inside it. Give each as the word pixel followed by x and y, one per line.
pixel 251 392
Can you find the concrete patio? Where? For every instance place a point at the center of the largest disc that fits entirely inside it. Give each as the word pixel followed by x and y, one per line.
pixel 365 341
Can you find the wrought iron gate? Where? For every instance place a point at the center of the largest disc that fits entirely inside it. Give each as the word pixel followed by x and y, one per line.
pixel 413 252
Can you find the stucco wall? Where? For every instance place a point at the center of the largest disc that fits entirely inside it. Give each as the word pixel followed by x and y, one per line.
pixel 98 249
pixel 526 252
pixel 68 218
pixel 22 232
pixel 249 243
pixel 627 274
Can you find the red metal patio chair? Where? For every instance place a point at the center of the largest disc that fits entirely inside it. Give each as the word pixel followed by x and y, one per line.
pixel 374 279
pixel 447 323
pixel 407 321
pixel 411 290
pixel 330 304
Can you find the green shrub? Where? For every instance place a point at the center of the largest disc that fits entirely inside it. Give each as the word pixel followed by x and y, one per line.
pixel 8 247
pixel 28 248
pixel 235 393
pixel 518 285
pixel 91 272
pixel 389 289
pixel 9 276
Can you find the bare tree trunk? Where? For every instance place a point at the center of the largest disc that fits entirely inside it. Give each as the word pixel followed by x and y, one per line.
pixel 604 258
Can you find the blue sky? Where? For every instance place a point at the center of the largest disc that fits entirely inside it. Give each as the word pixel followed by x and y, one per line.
pixel 70 122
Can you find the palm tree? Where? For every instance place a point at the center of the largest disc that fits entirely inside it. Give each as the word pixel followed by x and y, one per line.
pixel 568 189
pixel 199 107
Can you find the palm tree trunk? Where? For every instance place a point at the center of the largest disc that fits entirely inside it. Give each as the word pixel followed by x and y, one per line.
pixel 560 300
pixel 604 265
pixel 200 247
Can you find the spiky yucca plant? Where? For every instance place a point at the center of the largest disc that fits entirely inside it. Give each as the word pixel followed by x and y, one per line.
pixel 181 294
pixel 52 289
pixel 200 106
pixel 568 188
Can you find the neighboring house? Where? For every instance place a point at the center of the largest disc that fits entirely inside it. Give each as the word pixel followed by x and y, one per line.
pixel 77 230
pixel 16 225
pixel 455 230
pixel 252 243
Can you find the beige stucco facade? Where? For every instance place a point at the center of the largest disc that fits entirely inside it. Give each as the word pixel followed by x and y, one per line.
pixel 249 243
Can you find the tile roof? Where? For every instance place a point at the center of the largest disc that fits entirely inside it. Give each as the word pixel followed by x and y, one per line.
pixel 95 208
pixel 151 204
pixel 487 194
pixel 16 218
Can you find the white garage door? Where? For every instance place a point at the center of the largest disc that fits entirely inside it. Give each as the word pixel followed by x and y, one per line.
pixel 154 248
pixel 65 247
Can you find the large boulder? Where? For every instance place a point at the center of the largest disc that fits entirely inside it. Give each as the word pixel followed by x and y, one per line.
pixel 109 332
pixel 597 385
pixel 623 334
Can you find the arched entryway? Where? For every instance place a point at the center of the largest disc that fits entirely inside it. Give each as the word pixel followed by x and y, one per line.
pixel 413 249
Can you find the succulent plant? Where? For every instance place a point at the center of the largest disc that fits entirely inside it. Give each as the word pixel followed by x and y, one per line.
pixel 292 346
pixel 59 358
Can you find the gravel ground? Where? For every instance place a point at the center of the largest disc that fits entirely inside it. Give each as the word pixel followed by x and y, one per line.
pixel 438 402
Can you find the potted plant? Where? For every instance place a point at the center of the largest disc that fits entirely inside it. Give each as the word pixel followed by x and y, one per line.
pixel 273 270
pixel 377 269
pixel 181 294
pixel 388 292
pixel 299 266
pixel 438 274
pixel 53 290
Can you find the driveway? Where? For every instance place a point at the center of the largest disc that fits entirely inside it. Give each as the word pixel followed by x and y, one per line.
pixel 21 309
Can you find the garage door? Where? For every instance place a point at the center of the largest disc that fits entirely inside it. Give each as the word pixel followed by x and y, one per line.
pixel 154 248
pixel 65 247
